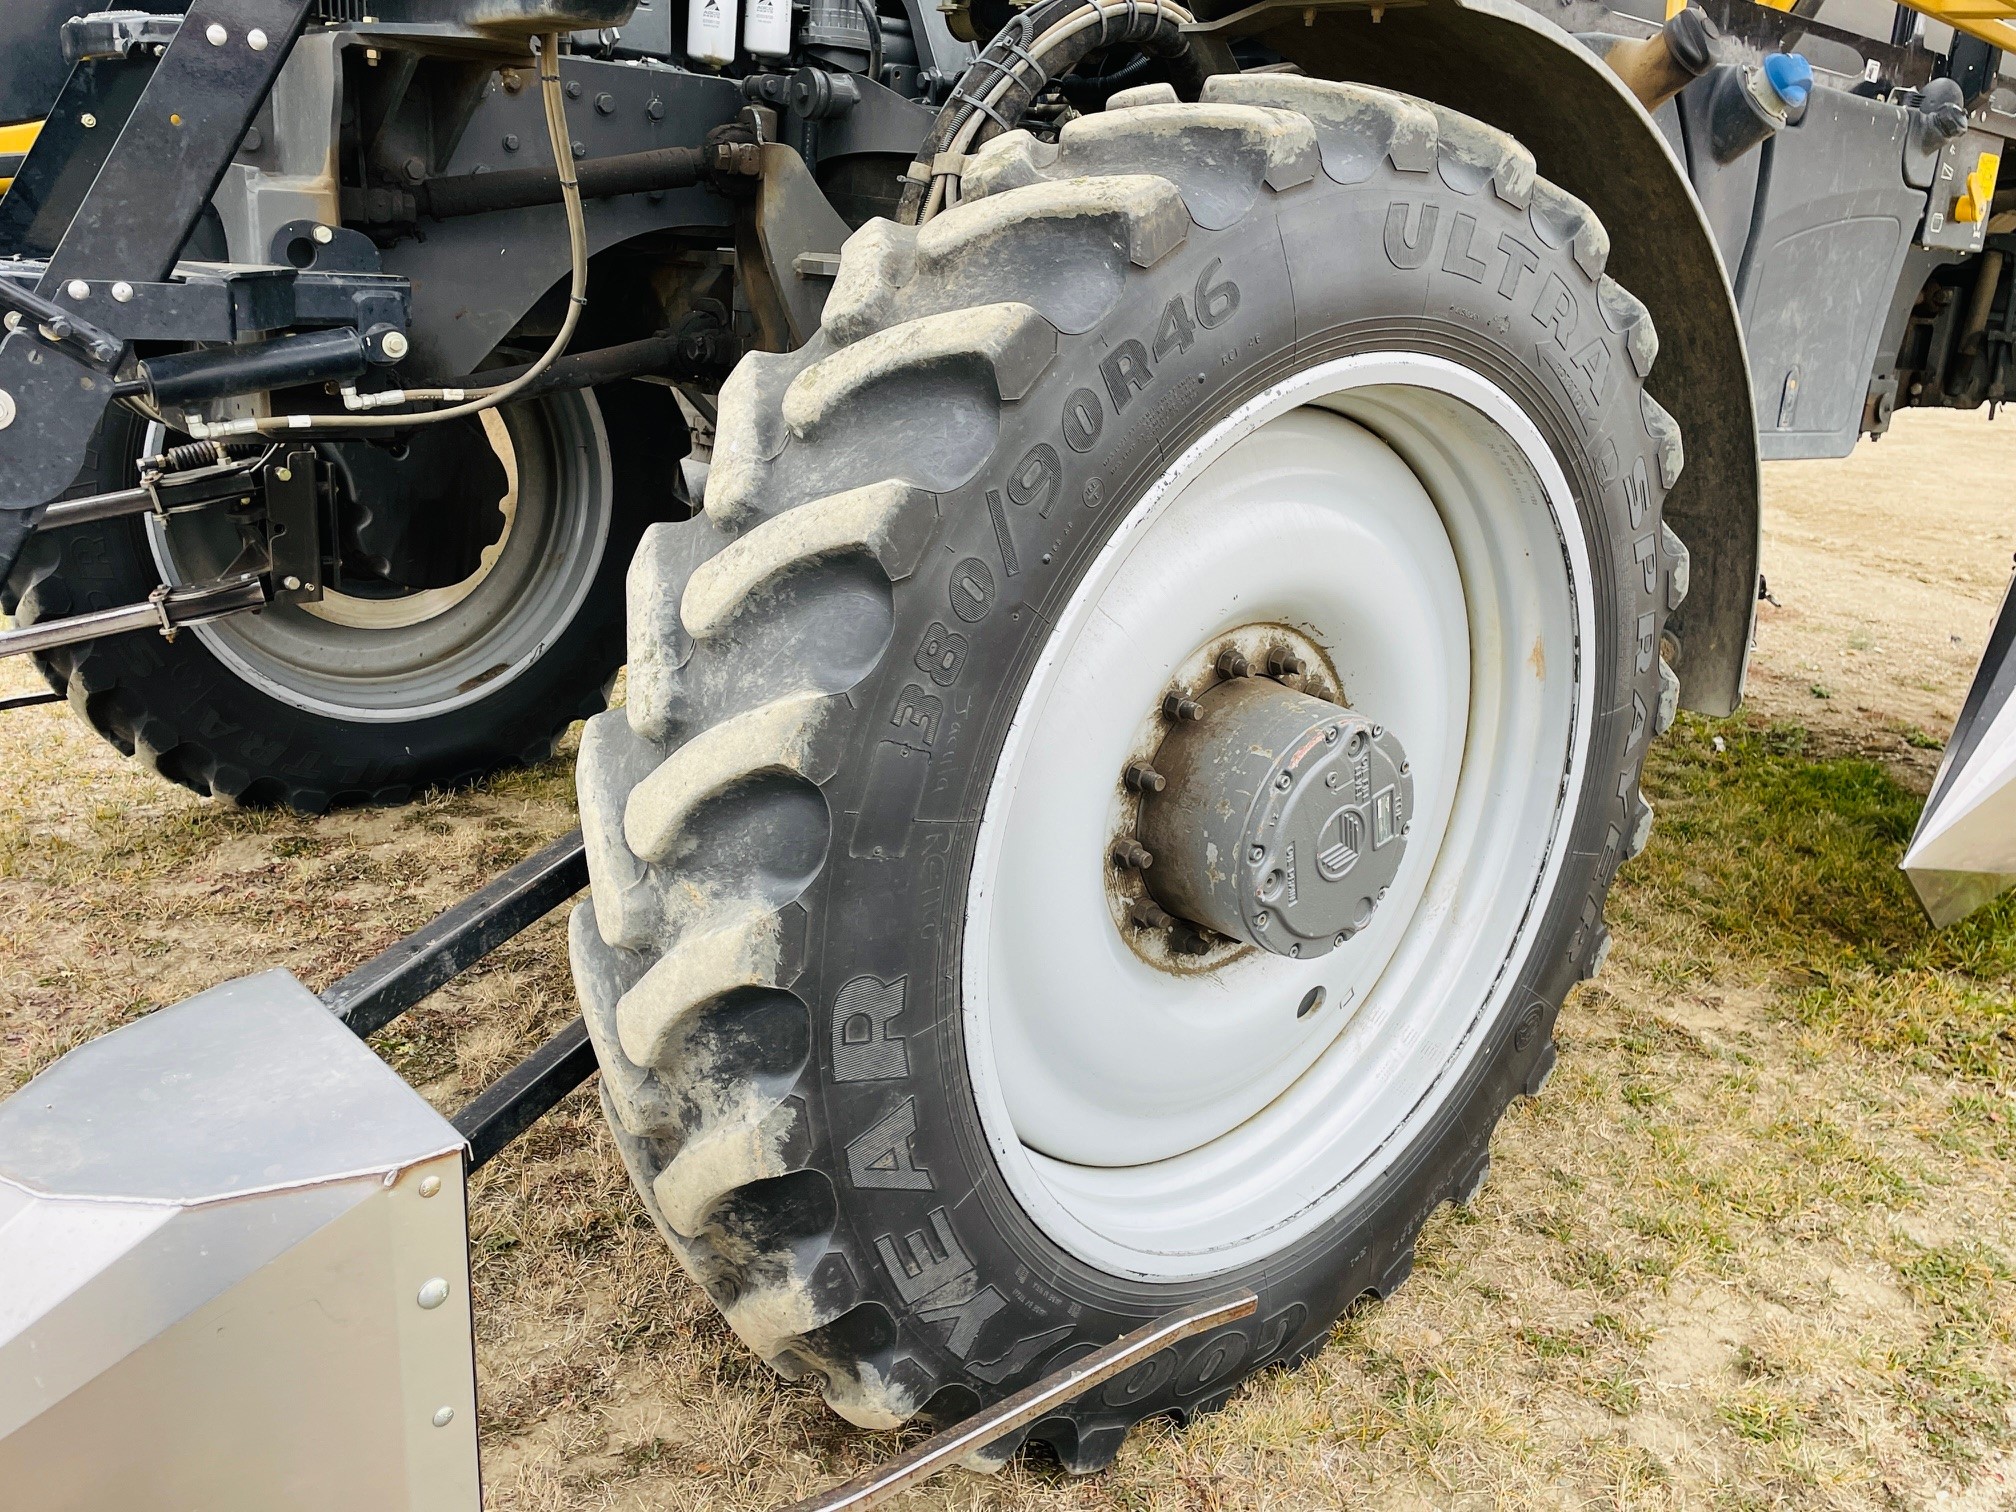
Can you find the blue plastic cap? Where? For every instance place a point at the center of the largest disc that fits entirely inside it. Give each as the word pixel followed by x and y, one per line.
pixel 1791 75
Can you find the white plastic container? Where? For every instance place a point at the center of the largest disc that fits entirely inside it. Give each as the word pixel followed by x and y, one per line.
pixel 710 32
pixel 766 28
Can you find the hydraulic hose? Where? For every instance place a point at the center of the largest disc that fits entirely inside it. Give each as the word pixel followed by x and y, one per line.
pixel 465 401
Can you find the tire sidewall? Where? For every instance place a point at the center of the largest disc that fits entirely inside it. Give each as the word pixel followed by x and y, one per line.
pixel 1403 262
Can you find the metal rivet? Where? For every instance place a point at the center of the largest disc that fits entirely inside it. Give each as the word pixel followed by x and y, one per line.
pixel 323 234
pixel 432 1293
pixel 123 292
pixel 429 1185
pixel 77 289
pixel 7 410
pixel 87 120
pixel 216 36
pixel 256 40
pixel 443 1416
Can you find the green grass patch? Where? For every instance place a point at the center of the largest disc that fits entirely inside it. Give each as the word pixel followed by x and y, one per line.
pixel 1785 865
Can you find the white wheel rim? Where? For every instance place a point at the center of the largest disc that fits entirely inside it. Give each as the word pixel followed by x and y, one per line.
pixel 1405 514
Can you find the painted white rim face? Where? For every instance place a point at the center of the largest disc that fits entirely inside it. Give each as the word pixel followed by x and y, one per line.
pixel 1406 516
pixel 427 653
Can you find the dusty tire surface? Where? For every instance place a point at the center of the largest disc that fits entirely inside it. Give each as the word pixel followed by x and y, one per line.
pixel 823 669
pixel 193 718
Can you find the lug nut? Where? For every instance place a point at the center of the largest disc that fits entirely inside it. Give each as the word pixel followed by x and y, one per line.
pixel 1149 915
pixel 1143 778
pixel 1178 706
pixel 1285 664
pixel 1232 663
pixel 1187 939
pixel 1132 855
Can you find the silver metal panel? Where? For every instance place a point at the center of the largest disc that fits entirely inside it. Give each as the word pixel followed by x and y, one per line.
pixel 233 1272
pixel 1964 851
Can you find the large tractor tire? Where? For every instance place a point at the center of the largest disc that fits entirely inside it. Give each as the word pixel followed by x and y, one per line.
pixel 1118 783
pixel 371 697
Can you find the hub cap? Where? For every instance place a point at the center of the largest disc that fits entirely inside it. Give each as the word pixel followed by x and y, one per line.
pixel 1170 1104
pixel 1282 819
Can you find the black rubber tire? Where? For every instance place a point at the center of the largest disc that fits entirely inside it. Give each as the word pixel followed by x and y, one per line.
pixel 780 826
pixel 189 717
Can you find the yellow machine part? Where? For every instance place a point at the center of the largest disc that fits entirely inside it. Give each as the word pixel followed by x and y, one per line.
pixel 17 139
pixel 1993 21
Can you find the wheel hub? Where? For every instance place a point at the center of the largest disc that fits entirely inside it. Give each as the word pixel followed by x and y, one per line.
pixel 1279 819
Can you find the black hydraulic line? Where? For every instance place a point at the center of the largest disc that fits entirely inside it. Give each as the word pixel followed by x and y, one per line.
pixel 28 701
pixel 654 354
pixel 526 1093
pixel 395 979
pixel 601 178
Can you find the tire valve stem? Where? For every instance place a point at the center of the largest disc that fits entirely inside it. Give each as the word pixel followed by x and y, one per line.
pixel 1132 855
pixel 1232 663
pixel 1148 914
pixel 1285 664
pixel 1177 705
pixel 1143 778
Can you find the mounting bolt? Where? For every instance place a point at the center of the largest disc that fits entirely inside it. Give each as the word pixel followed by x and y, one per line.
pixel 1186 938
pixel 1149 915
pixel 1342 936
pixel 573 89
pixel 7 409
pixel 655 110
pixel 395 346
pixel 1143 778
pixel 1178 706
pixel 432 1293
pixel 77 289
pixel 443 1416
pixel 1330 735
pixel 87 120
pixel 1262 919
pixel 291 583
pixel 122 292
pixel 1285 664
pixel 1285 781
pixel 256 40
pixel 1132 855
pixel 215 35
pixel 1256 854
pixel 605 104
pixel 322 235
pixel 1232 663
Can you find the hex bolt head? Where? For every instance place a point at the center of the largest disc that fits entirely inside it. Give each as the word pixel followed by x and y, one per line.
pixel 655 110
pixel 87 120
pixel 573 89
pixel 605 104
pixel 1179 706
pixel 1262 919
pixel 1143 778
pixel 433 1293
pixel 323 235
pixel 7 409
pixel 1132 855
pixel 1232 663
pixel 1284 664
pixel 510 141
pixel 1187 939
pixel 1149 914
pixel 1285 781
pixel 395 345
pixel 414 169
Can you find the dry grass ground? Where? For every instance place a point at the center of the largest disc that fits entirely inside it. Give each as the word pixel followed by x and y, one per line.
pixel 1755 1246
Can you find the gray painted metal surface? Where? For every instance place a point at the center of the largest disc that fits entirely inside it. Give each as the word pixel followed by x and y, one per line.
pixel 1964 850
pixel 233 1271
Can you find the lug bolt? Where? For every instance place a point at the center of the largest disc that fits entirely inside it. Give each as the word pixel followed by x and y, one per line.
pixel 1262 919
pixel 1132 855
pixel 1285 664
pixel 1187 939
pixel 1149 915
pixel 1232 663
pixel 1143 778
pixel 1256 854
pixel 1285 781
pixel 1178 706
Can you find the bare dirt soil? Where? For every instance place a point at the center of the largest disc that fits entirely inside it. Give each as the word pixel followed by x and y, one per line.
pixel 1754 1246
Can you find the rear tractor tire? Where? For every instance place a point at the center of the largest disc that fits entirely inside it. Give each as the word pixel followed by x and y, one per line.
pixel 1118 783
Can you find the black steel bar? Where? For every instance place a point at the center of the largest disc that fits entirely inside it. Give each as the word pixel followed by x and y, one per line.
pixel 600 178
pixel 524 1094
pixel 28 701
pixel 654 354
pixel 873 1487
pixel 395 979
pixel 167 610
